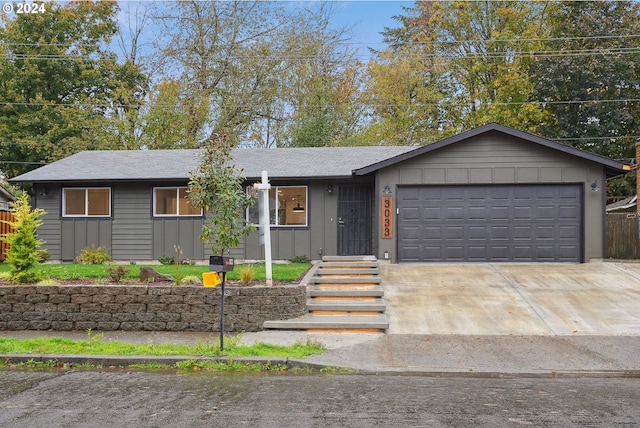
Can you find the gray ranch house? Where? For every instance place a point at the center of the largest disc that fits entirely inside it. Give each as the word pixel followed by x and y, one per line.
pixel 490 194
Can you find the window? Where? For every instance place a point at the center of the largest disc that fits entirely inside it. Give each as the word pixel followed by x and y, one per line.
pixel 86 202
pixel 288 208
pixel 172 202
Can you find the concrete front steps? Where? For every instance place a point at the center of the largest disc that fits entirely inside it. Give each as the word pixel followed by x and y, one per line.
pixel 344 295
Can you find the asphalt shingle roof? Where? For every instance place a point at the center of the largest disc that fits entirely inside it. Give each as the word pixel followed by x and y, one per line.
pixel 113 165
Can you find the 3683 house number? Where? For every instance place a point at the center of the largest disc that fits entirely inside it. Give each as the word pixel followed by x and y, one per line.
pixel 387 217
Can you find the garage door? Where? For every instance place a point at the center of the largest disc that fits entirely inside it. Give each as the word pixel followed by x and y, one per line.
pixel 497 223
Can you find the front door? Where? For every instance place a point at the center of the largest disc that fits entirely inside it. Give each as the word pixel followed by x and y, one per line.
pixel 354 219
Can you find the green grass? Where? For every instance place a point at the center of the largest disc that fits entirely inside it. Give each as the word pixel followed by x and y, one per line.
pixel 96 346
pixel 290 272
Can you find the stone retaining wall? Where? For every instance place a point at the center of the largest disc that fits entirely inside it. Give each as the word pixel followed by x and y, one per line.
pixel 146 307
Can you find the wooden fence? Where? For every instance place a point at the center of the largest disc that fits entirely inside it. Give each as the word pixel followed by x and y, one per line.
pixel 4 228
pixel 623 239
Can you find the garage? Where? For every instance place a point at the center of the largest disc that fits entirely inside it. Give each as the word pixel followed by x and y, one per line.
pixel 491 223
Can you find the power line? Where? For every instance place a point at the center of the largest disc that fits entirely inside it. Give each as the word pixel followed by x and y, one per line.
pixel 366 104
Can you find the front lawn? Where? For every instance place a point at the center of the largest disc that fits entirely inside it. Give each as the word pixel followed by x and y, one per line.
pixel 290 272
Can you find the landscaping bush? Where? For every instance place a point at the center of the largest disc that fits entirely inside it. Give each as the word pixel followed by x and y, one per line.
pixel 23 254
pixel 247 274
pixel 301 259
pixel 117 273
pixel 93 256
pixel 167 260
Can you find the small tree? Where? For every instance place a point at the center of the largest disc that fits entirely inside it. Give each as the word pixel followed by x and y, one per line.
pixel 216 187
pixel 23 254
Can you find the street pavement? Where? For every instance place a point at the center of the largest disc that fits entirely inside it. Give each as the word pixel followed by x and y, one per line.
pixel 469 320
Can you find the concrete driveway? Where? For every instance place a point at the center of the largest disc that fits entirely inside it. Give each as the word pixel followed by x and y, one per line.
pixel 513 299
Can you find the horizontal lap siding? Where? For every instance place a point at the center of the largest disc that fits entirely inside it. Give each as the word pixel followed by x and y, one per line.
pixel 492 160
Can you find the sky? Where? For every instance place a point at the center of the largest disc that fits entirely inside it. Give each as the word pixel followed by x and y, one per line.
pixel 366 18
pixel 369 18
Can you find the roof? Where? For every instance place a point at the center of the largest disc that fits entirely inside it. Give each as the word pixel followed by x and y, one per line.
pixel 611 167
pixel 156 165
pixel 624 204
pixel 5 195
pixel 284 163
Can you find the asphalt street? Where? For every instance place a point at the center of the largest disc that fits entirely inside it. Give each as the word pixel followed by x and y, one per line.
pixel 117 398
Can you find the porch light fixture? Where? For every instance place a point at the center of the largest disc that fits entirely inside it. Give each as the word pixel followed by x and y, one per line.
pixel 594 186
pixel 330 188
pixel 44 191
pixel 387 190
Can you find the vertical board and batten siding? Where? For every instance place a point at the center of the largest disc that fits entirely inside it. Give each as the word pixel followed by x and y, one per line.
pixel 4 229
pixel 495 158
pixel 80 233
pixel 132 237
pixel 51 229
pixel 182 232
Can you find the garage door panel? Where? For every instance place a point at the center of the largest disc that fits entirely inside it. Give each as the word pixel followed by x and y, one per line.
pixel 478 213
pixel 568 232
pixel 455 233
pixel 568 212
pixel 434 213
pixel 499 233
pixel 491 223
pixel 522 232
pixel 407 214
pixel 454 213
pixel 499 212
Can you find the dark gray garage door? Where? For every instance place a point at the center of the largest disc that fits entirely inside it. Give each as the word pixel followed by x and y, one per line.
pixel 497 223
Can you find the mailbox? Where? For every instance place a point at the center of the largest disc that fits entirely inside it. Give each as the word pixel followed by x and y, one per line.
pixel 220 264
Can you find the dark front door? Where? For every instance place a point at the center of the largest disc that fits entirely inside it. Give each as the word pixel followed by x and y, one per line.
pixel 354 219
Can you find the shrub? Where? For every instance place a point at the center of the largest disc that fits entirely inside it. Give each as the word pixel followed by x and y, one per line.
pixel 247 274
pixel 117 273
pixel 23 254
pixel 93 256
pixel 301 259
pixel 191 280
pixel 167 260
pixel 43 255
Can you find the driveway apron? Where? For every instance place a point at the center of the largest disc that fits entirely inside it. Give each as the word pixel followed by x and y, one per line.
pixel 513 299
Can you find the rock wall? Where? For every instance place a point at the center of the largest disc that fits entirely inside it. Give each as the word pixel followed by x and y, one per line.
pixel 146 307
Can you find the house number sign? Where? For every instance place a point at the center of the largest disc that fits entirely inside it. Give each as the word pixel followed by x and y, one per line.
pixel 387 217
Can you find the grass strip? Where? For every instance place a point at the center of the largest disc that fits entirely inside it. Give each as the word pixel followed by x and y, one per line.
pixel 96 346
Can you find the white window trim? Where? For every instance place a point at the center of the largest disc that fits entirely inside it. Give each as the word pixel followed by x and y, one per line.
pixel 155 214
pixel 86 202
pixel 306 213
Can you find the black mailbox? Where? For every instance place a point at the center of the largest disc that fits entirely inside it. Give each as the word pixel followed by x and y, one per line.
pixel 220 264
